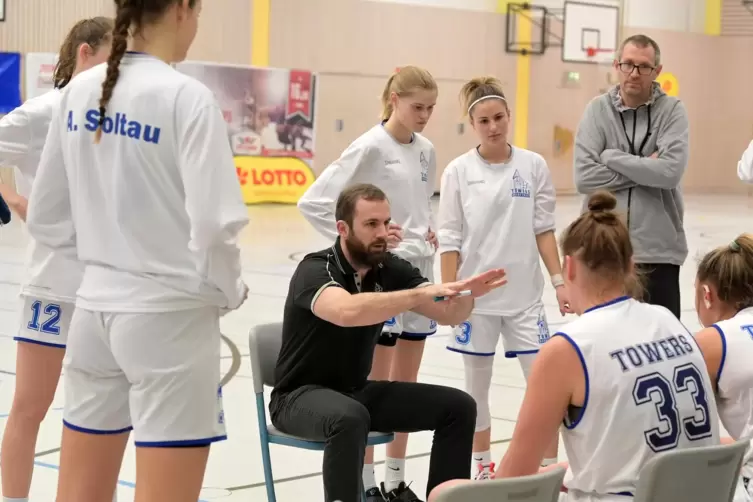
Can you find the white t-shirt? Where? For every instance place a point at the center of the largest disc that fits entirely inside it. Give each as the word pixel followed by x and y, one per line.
pixel 745 165
pixel 491 214
pixel 647 391
pixel 23 133
pixel 153 210
pixel 405 172
pixel 735 380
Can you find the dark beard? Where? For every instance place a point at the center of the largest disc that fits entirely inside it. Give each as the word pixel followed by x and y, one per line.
pixel 363 256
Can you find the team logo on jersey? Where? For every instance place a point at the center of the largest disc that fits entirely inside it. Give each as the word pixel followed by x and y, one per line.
pixel 520 187
pixel 424 168
pixel 543 329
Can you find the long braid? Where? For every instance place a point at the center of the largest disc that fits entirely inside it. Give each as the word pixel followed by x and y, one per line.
pixel 123 21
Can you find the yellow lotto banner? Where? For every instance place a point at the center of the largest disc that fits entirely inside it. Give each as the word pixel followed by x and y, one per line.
pixel 273 179
pixel 270 114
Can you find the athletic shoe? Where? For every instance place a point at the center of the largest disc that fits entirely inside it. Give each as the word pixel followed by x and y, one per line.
pixel 484 472
pixel 374 495
pixel 401 494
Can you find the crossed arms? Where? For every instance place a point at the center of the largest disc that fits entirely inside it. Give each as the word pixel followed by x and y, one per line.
pixel 596 167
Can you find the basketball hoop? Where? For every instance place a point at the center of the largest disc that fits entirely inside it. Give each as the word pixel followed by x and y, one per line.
pixel 592 52
pixel 603 58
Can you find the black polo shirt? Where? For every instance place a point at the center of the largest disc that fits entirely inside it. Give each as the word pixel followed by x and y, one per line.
pixel 317 352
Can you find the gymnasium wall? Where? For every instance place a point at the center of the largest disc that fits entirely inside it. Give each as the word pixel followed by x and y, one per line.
pixel 358 43
pixel 41 26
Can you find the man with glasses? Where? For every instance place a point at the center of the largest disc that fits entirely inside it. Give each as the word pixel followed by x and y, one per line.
pixel 633 142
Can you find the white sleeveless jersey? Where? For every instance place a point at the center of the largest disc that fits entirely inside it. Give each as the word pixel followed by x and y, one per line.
pixel 647 392
pixel 154 210
pixel 405 172
pixel 23 133
pixel 735 380
pixel 491 214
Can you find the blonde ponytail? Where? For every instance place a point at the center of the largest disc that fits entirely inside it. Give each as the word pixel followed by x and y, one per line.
pixel 403 82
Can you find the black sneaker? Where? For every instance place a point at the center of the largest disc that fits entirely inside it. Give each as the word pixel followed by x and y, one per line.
pixel 401 494
pixel 374 495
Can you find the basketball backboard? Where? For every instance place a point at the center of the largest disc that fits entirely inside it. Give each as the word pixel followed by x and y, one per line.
pixel 591 32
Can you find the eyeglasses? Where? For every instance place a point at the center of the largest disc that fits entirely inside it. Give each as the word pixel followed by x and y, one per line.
pixel 627 68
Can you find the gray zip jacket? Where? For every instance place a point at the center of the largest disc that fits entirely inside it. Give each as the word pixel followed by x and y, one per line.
pixel 613 148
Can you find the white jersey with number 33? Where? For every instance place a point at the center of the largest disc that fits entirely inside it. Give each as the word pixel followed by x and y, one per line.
pixel 647 392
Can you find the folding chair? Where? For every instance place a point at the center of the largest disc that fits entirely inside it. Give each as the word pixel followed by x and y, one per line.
pixel 264 343
pixel 541 487
pixel 703 474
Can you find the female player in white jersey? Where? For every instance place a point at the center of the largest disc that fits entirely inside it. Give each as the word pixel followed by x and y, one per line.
pixel 724 302
pixel 394 156
pixel 137 179
pixel 496 208
pixel 49 291
pixel 626 375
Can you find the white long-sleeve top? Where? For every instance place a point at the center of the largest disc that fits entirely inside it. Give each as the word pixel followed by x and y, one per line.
pixel 154 210
pixel 23 133
pixel 491 214
pixel 745 165
pixel 405 172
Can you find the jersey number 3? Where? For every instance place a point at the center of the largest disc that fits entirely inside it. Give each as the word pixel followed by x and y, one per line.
pixel 50 325
pixel 655 388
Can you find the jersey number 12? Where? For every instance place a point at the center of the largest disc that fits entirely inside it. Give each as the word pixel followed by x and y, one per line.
pixel 655 388
pixel 50 325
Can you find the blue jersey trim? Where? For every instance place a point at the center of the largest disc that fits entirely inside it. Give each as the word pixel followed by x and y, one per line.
pixel 607 304
pixel 724 353
pixel 574 423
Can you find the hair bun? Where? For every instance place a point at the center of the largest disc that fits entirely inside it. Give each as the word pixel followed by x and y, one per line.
pixel 601 200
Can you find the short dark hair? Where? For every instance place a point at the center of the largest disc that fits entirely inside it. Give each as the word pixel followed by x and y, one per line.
pixel 642 41
pixel 346 203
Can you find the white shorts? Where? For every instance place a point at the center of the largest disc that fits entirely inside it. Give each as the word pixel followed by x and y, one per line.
pixel 45 322
pixel 409 325
pixel 155 373
pixel 522 333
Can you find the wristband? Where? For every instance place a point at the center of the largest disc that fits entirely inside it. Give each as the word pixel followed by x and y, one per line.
pixel 557 280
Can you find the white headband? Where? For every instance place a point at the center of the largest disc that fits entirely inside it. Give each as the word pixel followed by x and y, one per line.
pixel 492 96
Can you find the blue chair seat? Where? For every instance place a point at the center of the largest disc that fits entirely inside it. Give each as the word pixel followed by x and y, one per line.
pixel 278 437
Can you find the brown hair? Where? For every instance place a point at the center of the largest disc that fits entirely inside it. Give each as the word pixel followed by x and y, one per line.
pixel 600 240
pixel 730 270
pixel 345 208
pixel 128 14
pixel 642 41
pixel 93 32
pixel 403 82
pixel 480 87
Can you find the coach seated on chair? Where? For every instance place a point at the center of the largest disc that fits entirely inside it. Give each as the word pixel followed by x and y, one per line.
pixel 337 302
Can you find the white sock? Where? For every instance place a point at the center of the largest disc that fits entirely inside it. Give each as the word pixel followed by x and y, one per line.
pixel 548 461
pixel 394 473
pixel 481 457
pixel 369 480
pixel 8 499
